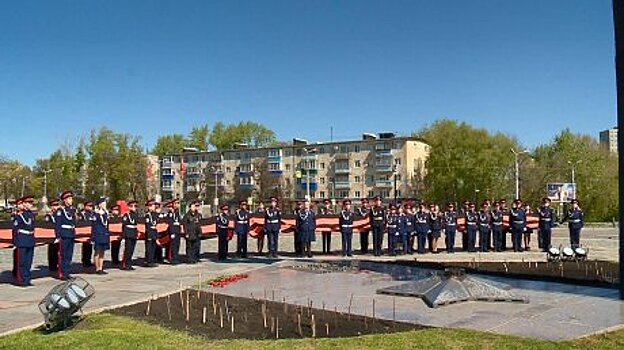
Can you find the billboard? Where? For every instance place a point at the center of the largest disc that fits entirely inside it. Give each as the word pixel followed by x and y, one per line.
pixel 562 192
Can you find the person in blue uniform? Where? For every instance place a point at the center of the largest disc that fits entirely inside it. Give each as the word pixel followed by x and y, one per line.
pixel 377 217
pixel 345 220
pixel 173 230
pixel 151 233
pixel 408 238
pixel 87 247
pixel 24 239
pixel 546 217
pixel 53 247
pixel 223 220
pixel 363 211
pixel 326 209
pixel 435 227
pixel 471 228
pixel 100 235
pixel 576 221
pixel 65 220
pixel 129 231
pixel 450 227
pixel 496 216
pixel 297 240
pixel 260 210
pixel 517 221
pixel 393 229
pixel 484 228
pixel 113 216
pixel 241 228
pixel 192 230
pixel 272 226
pixel 306 222
pixel 422 228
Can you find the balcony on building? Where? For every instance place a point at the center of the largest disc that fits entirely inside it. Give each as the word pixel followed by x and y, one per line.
pixel 193 174
pixel 382 150
pixel 167 187
pixel 383 167
pixel 313 186
pixel 166 163
pixel 342 185
pixel 247 186
pixel 383 183
pixel 274 156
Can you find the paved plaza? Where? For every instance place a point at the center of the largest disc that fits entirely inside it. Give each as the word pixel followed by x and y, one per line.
pixel 18 306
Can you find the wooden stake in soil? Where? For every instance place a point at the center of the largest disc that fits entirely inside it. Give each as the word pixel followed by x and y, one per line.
pixel 198 284
pixel 149 305
pixel 204 315
pixel 232 323
pixel 214 304
pixel 299 325
pixel 169 306
pixel 264 316
pixel 373 310
pixel 188 306
pixel 272 324
pixel 221 317
pixel 327 329
pixel 285 307
pixel 277 328
pixel 181 301
pixel 313 327
pixel 273 295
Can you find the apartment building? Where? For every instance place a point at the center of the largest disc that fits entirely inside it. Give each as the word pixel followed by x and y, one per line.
pixel 609 139
pixel 381 164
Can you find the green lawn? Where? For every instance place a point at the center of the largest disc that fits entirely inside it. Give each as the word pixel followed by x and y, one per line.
pixel 105 331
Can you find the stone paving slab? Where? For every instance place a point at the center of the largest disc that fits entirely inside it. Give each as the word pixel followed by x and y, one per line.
pixel 555 311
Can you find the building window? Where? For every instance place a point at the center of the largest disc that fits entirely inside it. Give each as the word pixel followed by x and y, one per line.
pixel 357 179
pixel 245 180
pixel 167 172
pixel 356 148
pixel 358 163
pixel 343 194
pixel 287 167
pixel 357 194
pixel 322 181
pixel 397 177
pixel 397 161
pixel 227 182
pixel 274 153
pixel 371 178
pixel 228 170
pixel 398 193
pixel 370 194
pixel 322 194
pixel 274 166
pixel 321 150
pixel 244 168
pixel 384 194
pixel 344 149
pixel 322 165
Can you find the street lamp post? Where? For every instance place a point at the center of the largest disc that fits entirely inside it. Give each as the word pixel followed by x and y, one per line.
pixel 24 184
pixel 394 174
pixel 517 167
pixel 45 183
pixel 573 164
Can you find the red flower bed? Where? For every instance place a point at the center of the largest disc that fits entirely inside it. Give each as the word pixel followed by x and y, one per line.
pixel 223 281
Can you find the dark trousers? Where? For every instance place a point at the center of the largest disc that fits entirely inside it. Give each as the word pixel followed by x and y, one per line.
pixel 158 252
pixel 14 270
pixel 326 242
pixel 449 239
pixel 471 239
pixel 377 239
pixel 465 240
pixel 129 245
pixel 421 243
pixel 499 237
pixel 222 251
pixel 575 237
pixel 173 249
pixel 364 242
pixel 347 238
pixel 53 256
pixel 484 238
pixel 405 243
pixel 192 250
pixel 66 251
pixel 298 244
pixel 87 253
pixel 241 244
pixel 150 251
pixel 392 242
pixel 544 239
pixel 273 236
pixel 115 248
pixel 506 231
pixel 24 259
pixel 516 238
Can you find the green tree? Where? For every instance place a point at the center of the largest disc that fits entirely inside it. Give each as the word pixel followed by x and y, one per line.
pixel 254 134
pixel 464 159
pixel 169 144
pixel 199 137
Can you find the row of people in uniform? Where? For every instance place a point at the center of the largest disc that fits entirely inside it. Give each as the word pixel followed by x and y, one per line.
pixel 406 226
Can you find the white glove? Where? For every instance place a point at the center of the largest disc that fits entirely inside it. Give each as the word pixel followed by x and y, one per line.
pixel 57 240
pixel 172 236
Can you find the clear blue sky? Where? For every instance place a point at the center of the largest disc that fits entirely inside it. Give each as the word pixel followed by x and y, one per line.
pixel 526 67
